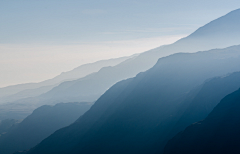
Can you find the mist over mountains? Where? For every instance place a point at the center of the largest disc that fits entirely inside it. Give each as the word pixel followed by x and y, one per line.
pixel 142 104
pixel 135 115
pixel 40 124
pixel 24 93
pixel 91 87
pixel 15 92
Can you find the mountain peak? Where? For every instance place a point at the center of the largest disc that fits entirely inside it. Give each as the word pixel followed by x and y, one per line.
pixel 227 25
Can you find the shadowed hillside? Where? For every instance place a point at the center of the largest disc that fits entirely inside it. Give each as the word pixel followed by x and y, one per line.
pixel 136 114
pixel 218 133
pixel 200 102
pixel 40 124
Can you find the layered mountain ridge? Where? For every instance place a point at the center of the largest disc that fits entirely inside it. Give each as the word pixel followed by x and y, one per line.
pixel 220 33
pixel 44 121
pixel 12 93
pixel 137 115
pixel 218 133
pixel 205 38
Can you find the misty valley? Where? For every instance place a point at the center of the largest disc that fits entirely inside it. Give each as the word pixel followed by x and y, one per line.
pixel 181 98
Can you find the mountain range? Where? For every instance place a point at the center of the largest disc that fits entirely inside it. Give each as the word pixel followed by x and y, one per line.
pixel 149 103
pixel 136 115
pixel 93 86
pixel 220 33
pixel 15 92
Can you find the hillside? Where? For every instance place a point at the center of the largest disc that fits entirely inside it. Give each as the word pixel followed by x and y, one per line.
pixel 220 33
pixel 93 86
pixel 218 133
pixel 137 114
pixel 44 121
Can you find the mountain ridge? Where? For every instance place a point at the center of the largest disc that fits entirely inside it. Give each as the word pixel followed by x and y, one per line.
pixel 43 121
pixel 75 73
pixel 92 88
pixel 133 118
pixel 217 133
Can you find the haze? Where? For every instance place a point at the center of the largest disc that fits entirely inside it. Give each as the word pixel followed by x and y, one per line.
pixel 119 77
pixel 41 39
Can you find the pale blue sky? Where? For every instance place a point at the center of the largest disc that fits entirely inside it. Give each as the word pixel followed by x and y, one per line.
pixel 67 21
pixel 39 39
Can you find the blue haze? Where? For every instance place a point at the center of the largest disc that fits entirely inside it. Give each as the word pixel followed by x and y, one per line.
pixel 58 21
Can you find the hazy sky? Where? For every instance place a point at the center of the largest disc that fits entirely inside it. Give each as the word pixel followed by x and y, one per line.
pixel 42 38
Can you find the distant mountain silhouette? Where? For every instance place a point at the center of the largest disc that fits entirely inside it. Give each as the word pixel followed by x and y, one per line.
pixel 136 115
pixel 39 125
pixel 24 93
pixel 219 133
pixel 15 92
pixel 220 33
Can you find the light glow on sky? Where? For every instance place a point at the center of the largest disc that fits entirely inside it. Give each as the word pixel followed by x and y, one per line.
pixel 34 63
pixel 41 39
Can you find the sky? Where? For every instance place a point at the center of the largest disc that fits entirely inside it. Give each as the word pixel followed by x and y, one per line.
pixel 41 39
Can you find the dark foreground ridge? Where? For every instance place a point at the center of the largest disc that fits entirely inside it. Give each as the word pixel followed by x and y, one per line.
pixel 219 133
